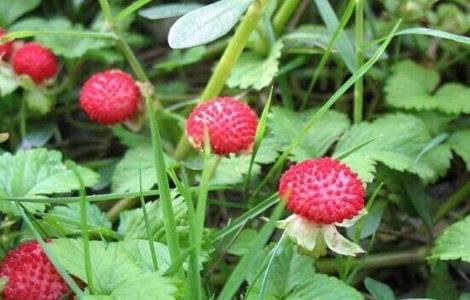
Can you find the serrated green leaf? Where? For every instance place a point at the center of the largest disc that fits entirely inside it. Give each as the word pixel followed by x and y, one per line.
pixel 284 124
pixel 255 71
pixel 12 10
pixel 132 224
pixel 68 218
pixel 460 142
pixel 242 244
pixel 150 286
pixel 67 46
pixel 413 87
pixel 379 290
pixel 288 272
pixel 111 265
pixel 323 287
pixel 37 172
pixel 403 137
pixel 454 243
pixel 165 11
pixel 206 24
pixel 126 174
pixel 231 170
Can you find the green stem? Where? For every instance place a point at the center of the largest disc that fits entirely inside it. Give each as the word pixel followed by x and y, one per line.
pixel 453 201
pixel 23 119
pixel 359 85
pixel 392 259
pixel 283 15
pixel 163 184
pixel 227 62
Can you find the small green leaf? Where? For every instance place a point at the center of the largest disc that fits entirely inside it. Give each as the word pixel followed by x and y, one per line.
pixel 231 170
pixel 38 101
pixel 150 286
pixel 285 124
pixel 206 24
pixel 454 243
pixel 9 82
pixel 459 141
pixel 242 244
pixel 178 59
pixel 12 10
pixel 165 11
pixel 379 290
pixel 255 71
pixel 132 224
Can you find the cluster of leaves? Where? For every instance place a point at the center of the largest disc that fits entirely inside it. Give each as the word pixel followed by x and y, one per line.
pixel 415 140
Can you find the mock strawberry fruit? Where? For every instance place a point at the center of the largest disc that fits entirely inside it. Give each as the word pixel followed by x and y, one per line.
pixel 322 193
pixel 36 61
pixel 5 48
pixel 231 125
pixel 110 97
pixel 31 275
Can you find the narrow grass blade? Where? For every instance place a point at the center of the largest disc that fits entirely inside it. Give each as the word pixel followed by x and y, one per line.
pixel 84 226
pixel 238 275
pixel 135 6
pixel 146 219
pixel 260 132
pixel 345 47
pixel 50 254
pixel 432 144
pixel 247 216
pixel 436 33
pixel 356 147
pixel 264 283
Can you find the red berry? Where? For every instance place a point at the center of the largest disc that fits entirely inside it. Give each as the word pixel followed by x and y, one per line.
pixel 36 61
pixel 31 275
pixel 5 48
pixel 230 122
pixel 322 190
pixel 110 97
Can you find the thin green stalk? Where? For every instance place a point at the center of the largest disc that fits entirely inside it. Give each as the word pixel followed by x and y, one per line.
pixel 131 9
pixel 32 33
pixel 159 159
pixel 84 226
pixel 458 197
pixel 283 15
pixel 54 260
pixel 359 85
pixel 146 219
pixel 227 62
pixel 392 259
pixel 23 119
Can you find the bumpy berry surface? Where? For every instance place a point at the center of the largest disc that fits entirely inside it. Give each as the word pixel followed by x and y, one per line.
pixel 31 275
pixel 323 190
pixel 36 61
pixel 110 97
pixel 5 48
pixel 230 122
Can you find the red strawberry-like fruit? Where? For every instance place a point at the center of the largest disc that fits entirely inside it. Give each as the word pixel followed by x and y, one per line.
pixel 31 275
pixel 323 191
pixel 36 61
pixel 231 125
pixel 110 97
pixel 5 48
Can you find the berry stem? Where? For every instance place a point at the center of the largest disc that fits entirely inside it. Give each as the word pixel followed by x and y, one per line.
pixel 453 201
pixel 359 85
pixel 398 258
pixel 159 159
pixel 283 15
pixel 227 62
